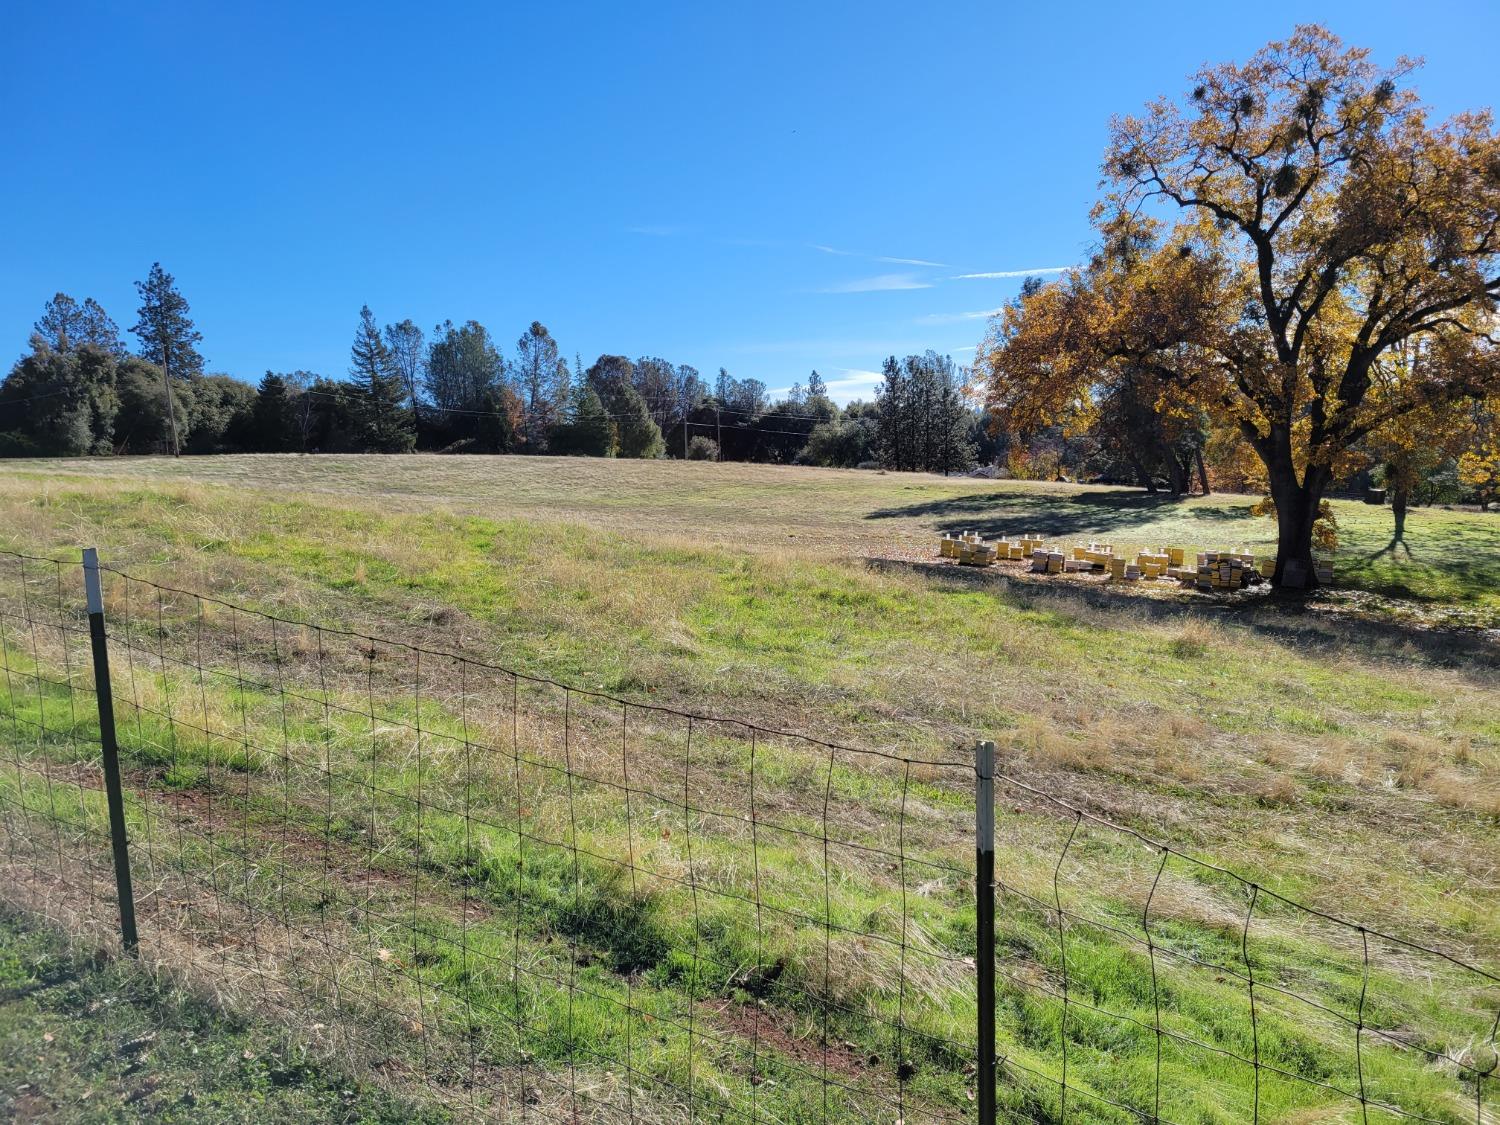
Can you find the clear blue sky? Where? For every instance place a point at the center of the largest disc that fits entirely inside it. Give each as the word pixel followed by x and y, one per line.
pixel 772 186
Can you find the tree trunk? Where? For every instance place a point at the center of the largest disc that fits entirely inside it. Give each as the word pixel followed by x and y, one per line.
pixel 1178 475
pixel 1142 475
pixel 1202 472
pixel 1296 511
pixel 1400 495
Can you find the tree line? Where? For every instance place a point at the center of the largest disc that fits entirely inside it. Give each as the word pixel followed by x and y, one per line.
pixel 79 390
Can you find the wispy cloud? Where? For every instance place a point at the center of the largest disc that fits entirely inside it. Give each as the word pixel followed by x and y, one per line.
pixel 913 262
pixel 657 231
pixel 880 283
pixel 958 317
pixel 993 274
pixel 836 252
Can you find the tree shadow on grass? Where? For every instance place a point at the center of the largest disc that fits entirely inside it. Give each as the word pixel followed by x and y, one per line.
pixel 1056 514
pixel 1288 618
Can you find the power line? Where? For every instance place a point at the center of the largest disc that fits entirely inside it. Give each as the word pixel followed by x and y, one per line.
pixel 32 398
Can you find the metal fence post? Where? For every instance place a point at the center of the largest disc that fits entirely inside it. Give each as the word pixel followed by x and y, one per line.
pixel 984 888
pixel 114 792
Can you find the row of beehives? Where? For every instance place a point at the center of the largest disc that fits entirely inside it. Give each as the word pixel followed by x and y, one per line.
pixel 1210 570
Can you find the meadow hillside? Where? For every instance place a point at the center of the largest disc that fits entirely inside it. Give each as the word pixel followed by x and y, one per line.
pixel 1343 750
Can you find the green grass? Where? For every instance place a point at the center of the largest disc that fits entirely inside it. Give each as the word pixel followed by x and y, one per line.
pixel 87 1039
pixel 1347 760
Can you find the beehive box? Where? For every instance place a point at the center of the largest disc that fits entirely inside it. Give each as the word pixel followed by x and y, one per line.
pixel 976 554
pixel 948 549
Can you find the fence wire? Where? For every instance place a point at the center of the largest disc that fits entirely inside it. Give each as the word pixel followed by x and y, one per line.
pixel 539 901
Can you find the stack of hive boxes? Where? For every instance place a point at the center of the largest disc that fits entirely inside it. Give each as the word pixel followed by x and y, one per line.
pixel 1095 556
pixel 1225 570
pixel 968 548
pixel 1213 570
pixel 1154 564
pixel 1044 561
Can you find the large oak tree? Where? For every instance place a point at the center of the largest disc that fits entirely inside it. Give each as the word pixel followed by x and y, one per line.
pixel 1264 244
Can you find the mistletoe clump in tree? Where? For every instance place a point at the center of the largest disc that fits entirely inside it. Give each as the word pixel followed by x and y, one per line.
pixel 1265 245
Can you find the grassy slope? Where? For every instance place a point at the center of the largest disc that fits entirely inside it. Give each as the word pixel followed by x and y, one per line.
pixel 1449 558
pixel 1290 749
pixel 83 1040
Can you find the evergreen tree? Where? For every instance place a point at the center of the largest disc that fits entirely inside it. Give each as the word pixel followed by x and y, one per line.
pixel 168 337
pixel 639 435
pixel 588 431
pixel 816 388
pixel 891 397
pixel 274 426
pixel 385 426
pixel 65 325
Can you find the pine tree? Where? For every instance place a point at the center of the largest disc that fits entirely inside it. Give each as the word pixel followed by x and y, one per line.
pixel 168 337
pixel 274 426
pixel 65 325
pixel 385 424
pixel 588 431
pixel 639 435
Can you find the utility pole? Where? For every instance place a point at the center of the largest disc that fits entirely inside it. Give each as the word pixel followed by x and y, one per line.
pixel 166 385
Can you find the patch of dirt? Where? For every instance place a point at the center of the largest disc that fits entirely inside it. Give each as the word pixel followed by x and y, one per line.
pixel 776 1029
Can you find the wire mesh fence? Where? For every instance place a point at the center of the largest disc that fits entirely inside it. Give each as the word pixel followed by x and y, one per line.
pixel 542 902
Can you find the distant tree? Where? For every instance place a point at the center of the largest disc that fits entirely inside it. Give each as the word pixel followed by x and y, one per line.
pixel 168 337
pixel 218 409
pixel 65 324
pixel 610 376
pixel 1479 466
pixel 924 417
pixel 467 385
pixel 385 424
pixel 588 432
pixel 841 443
pixel 747 397
pixel 59 403
pixel 637 434
pixel 463 367
pixel 542 382
pixel 405 344
pixel 274 425
pixel 816 388
pixel 142 424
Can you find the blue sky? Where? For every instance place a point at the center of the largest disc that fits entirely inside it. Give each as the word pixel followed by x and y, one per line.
pixel 769 187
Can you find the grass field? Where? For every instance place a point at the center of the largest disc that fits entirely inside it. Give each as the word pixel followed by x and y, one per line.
pixel 1344 751
pixel 85 1039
